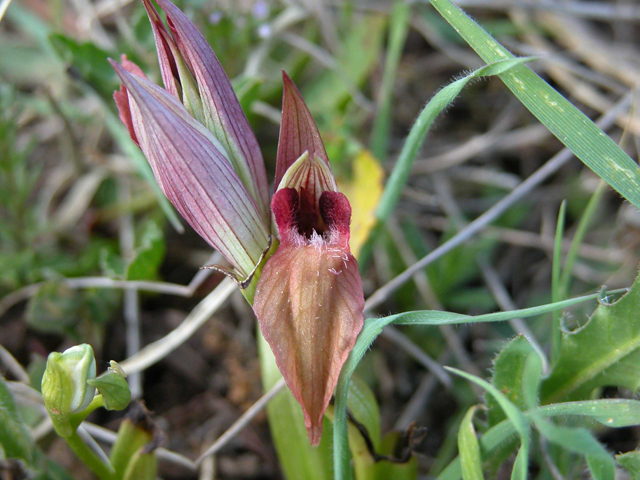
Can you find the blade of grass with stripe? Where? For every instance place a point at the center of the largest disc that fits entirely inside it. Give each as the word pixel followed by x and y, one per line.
pixel 573 128
pixel 402 169
pixel 373 327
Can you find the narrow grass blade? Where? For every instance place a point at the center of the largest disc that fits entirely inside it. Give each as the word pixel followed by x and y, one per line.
pixel 397 36
pixel 556 272
pixel 583 225
pixel 414 141
pixel 574 129
pixel 469 448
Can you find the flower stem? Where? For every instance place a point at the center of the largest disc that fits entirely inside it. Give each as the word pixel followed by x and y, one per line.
pixel 90 458
pixel 78 418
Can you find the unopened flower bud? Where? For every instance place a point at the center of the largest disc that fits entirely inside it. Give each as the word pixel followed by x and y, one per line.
pixel 65 390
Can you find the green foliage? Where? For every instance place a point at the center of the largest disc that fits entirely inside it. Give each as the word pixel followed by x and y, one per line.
pixel 56 308
pixel 572 127
pixel 87 62
pixel 146 260
pixel 114 390
pixel 14 434
pixel 508 377
pixel 358 55
pixel 469 448
pixel 630 461
pixel 402 169
pixel 612 339
pixel 16 442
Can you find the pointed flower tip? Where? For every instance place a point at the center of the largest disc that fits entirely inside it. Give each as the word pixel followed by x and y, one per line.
pixel 298 131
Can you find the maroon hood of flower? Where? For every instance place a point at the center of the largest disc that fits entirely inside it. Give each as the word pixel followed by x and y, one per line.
pixel 309 298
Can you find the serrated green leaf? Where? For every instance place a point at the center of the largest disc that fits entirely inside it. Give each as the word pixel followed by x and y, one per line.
pixel 630 461
pixel 508 377
pixel 573 128
pixel 469 449
pixel 612 339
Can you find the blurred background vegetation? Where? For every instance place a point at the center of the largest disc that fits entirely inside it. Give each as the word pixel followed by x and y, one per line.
pixel 77 200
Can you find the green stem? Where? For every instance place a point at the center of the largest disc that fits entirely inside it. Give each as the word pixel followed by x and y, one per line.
pixel 78 418
pixel 90 458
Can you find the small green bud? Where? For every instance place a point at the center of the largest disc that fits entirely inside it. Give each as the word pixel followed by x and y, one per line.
pixel 113 388
pixel 65 390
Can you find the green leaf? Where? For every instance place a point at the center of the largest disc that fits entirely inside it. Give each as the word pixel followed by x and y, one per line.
pixel 601 468
pixel 630 461
pixel 149 255
pixel 612 339
pixel 574 129
pixel 14 436
pixel 508 377
pixel 578 440
pixel 364 408
pixel 142 466
pixel 131 439
pixel 583 225
pixel 16 442
pixel 469 448
pixel 88 61
pixel 611 412
pixel 54 309
pixel 114 390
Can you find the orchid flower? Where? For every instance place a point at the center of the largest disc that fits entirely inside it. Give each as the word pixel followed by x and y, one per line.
pixel 206 159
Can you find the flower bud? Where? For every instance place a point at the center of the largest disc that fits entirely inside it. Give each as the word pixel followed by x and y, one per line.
pixel 65 390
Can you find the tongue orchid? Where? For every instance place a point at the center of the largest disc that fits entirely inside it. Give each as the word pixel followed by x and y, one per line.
pixel 206 159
